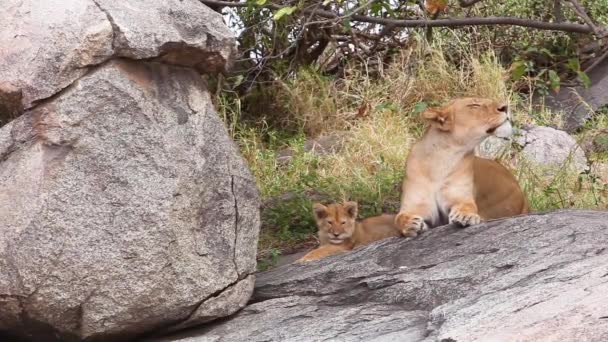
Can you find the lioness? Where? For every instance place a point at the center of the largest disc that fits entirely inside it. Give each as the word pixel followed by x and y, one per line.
pixel 445 179
pixel 339 231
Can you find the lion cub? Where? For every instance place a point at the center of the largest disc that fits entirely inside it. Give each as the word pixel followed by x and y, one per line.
pixel 445 182
pixel 339 231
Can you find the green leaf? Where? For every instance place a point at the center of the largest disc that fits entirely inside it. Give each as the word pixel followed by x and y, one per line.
pixel 283 12
pixel 388 105
pixel 574 64
pixel 260 2
pixel 420 107
pixel 518 69
pixel 554 80
pixel 238 80
pixel 388 8
pixel 532 49
pixel 346 24
pixel 584 78
pixel 547 52
pixel 376 8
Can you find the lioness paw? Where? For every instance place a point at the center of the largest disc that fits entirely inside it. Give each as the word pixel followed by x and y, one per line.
pixel 410 225
pixel 463 218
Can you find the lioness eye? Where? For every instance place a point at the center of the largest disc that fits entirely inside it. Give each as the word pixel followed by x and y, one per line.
pixel 329 222
pixel 343 222
pixel 474 105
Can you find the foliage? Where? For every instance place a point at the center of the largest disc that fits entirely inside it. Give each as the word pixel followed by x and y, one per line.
pixel 303 76
pixel 278 37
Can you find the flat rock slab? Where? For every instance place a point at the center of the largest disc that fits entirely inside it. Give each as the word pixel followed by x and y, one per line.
pixel 538 277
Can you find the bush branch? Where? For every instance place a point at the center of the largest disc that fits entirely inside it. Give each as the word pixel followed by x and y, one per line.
pixel 582 13
pixel 452 22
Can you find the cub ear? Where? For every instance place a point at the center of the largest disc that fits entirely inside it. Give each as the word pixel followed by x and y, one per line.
pixel 319 210
pixel 439 117
pixel 351 209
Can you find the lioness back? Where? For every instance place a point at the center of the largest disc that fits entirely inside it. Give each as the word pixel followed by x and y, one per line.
pixel 497 192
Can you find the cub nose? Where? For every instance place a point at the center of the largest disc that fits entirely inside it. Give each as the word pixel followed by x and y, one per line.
pixel 503 108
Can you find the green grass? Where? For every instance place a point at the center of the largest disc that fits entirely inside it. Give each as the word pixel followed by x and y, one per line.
pixel 378 120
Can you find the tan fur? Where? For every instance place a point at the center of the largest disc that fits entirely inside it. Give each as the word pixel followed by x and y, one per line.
pixel 444 179
pixel 339 231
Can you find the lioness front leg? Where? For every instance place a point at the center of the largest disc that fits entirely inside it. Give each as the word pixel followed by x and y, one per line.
pixel 464 214
pixel 458 200
pixel 415 208
pixel 410 224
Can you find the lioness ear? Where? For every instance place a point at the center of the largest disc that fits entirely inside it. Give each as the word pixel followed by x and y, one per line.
pixel 351 209
pixel 439 117
pixel 319 210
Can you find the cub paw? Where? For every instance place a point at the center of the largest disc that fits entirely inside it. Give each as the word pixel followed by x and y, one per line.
pixel 303 259
pixel 410 225
pixel 463 218
pixel 311 256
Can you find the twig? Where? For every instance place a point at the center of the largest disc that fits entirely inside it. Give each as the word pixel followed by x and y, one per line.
pixel 460 22
pixel 580 11
pixel 597 62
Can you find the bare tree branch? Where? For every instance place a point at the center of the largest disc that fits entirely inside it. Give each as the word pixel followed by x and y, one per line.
pixel 597 62
pixel 581 12
pixel 557 11
pixel 455 22
pixel 468 3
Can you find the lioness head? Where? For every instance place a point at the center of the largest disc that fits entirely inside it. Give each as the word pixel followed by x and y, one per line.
pixel 471 119
pixel 336 221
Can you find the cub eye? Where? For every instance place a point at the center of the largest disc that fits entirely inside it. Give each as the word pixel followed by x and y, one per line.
pixel 474 105
pixel 330 222
pixel 343 222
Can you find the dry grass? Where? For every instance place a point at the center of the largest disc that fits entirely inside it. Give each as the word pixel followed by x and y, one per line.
pixel 381 121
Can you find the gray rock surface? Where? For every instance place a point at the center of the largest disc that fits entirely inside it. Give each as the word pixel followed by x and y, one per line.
pixel 579 104
pixel 552 148
pixel 493 147
pixel 542 277
pixel 47 45
pixel 125 207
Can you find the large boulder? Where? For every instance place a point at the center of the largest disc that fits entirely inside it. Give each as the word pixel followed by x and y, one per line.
pixel 494 147
pixel 531 278
pixel 125 207
pixel 552 149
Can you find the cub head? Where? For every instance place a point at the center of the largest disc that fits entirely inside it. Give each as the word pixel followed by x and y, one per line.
pixel 471 119
pixel 336 221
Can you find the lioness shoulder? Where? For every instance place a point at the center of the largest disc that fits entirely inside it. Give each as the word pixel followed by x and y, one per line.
pixel 339 230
